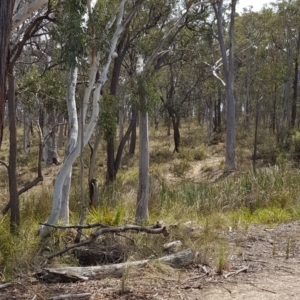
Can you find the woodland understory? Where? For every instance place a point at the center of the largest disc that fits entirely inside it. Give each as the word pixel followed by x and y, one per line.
pixel 129 125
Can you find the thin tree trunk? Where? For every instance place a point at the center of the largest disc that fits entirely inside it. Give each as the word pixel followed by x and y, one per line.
pixel 255 134
pixel 72 142
pixel 228 69
pixel 143 185
pixel 121 50
pixel 13 189
pixel 123 142
pixel 60 140
pixel 110 152
pixel 295 85
pixel 6 10
pixel 93 183
pixel 133 131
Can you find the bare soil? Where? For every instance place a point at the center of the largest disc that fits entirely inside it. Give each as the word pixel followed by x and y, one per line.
pixel 263 263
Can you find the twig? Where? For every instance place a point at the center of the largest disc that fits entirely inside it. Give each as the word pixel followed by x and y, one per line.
pixel 245 269
pixel 154 252
pixel 262 289
pixel 70 296
pixel 76 226
pixel 5 285
pixel 158 228
pixel 227 289
pixel 4 164
pixel 126 237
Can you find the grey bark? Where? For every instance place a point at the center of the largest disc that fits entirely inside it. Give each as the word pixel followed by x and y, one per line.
pixel 143 185
pixel 228 69
pixel 178 260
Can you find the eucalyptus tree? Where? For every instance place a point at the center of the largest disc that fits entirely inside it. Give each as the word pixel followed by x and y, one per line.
pixel 228 70
pixel 155 49
pixel 151 16
pixel 23 27
pixel 286 40
pixel 106 22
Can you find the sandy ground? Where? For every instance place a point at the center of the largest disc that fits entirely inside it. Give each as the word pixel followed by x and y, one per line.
pixel 271 257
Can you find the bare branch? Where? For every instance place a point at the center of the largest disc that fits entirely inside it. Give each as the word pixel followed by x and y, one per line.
pixel 158 228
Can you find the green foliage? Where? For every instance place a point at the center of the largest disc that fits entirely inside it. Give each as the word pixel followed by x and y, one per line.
pixel 108 116
pixel 70 32
pixel 145 93
pixel 99 34
pixel 48 89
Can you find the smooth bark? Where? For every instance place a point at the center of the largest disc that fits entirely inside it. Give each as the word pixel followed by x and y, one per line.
pixel 228 70
pixel 25 12
pixel 56 210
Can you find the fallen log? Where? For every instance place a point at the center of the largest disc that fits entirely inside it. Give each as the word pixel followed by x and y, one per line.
pixel 72 274
pixel 71 296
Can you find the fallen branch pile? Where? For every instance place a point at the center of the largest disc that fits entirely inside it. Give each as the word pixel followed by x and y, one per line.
pixel 73 274
pixel 158 228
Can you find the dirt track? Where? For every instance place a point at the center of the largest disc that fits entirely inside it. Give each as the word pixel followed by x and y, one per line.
pixel 271 256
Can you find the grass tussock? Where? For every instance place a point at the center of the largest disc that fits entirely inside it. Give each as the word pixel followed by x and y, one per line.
pixel 199 212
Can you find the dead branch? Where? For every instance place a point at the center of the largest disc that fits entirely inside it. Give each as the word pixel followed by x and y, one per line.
pixel 4 164
pixel 158 228
pixel 88 226
pixel 72 274
pixel 5 285
pixel 70 296
pixel 245 269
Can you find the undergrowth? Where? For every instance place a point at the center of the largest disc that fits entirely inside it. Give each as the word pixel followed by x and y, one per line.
pixel 268 196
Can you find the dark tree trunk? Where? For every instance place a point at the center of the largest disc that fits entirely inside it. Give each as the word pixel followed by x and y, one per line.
pixel 295 85
pixel 123 142
pixel 110 151
pixel 6 9
pixel 273 116
pixel 132 144
pixel 175 122
pixel 255 135
pixel 13 189
pixel 219 124
pixel 121 50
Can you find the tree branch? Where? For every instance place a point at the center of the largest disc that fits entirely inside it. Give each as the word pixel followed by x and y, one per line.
pixel 158 228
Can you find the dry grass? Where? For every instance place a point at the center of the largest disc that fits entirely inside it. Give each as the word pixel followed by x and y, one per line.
pixel 187 191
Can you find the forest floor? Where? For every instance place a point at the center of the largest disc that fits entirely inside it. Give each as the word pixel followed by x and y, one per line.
pixel 263 263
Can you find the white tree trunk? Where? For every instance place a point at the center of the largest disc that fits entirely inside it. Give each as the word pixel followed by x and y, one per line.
pixel 24 13
pixel 73 136
pixel 59 205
